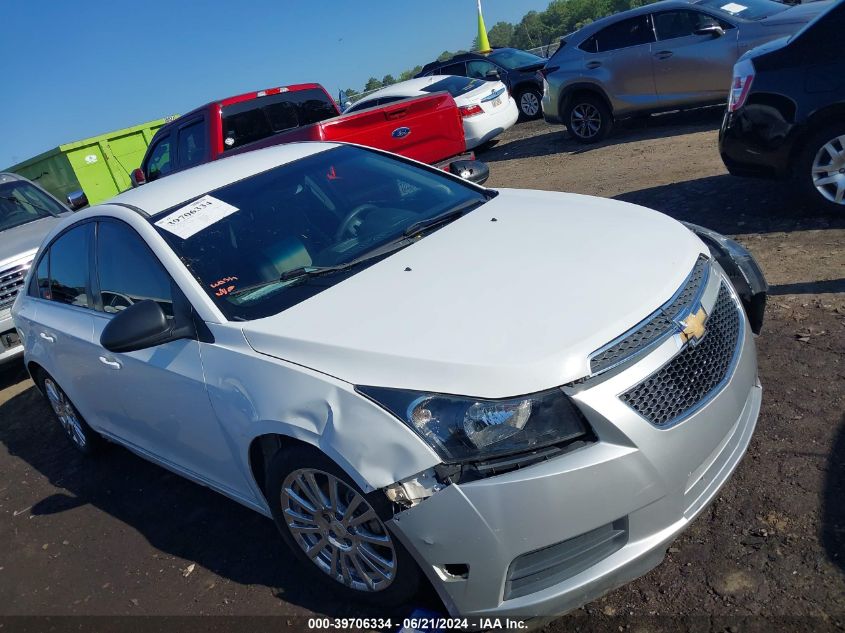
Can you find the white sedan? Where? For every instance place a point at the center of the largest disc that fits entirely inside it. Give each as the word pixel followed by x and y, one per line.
pixel 521 396
pixel 486 107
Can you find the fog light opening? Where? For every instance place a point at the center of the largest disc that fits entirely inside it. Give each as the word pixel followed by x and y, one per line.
pixel 456 571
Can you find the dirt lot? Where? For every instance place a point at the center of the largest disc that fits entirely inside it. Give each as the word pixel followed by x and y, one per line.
pixel 118 536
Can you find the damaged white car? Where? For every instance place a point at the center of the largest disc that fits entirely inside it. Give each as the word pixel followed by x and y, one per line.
pixel 522 397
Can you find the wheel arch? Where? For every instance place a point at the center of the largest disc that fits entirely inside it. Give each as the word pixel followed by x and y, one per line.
pixel 583 87
pixel 831 114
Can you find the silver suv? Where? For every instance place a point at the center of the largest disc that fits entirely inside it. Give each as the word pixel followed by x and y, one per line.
pixel 27 214
pixel 664 56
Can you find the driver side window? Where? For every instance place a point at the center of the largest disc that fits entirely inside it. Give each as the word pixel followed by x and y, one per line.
pixel 128 271
pixel 159 163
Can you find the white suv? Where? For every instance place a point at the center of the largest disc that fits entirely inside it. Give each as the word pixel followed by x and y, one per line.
pixel 522 396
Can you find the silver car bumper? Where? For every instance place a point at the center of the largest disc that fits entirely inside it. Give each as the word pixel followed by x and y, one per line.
pixel 548 538
pixel 8 351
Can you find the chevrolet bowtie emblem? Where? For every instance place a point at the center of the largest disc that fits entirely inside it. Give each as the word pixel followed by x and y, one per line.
pixel 693 326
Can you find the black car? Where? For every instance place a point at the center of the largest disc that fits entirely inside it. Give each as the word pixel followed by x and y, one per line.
pixel 516 68
pixel 786 113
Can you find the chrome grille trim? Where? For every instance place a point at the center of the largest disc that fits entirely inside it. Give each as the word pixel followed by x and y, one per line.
pixel 11 282
pixel 657 326
pixel 696 374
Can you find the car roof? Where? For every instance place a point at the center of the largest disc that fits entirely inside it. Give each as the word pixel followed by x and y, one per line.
pixel 166 192
pixel 661 5
pixel 411 87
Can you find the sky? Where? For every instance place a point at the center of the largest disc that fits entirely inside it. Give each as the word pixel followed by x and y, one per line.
pixel 78 69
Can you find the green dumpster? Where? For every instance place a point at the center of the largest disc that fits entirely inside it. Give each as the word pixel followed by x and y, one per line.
pixel 98 166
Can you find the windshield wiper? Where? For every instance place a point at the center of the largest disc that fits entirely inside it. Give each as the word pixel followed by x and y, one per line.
pixel 444 218
pixel 23 205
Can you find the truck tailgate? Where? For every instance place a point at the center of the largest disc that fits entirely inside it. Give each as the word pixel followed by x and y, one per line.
pixel 428 129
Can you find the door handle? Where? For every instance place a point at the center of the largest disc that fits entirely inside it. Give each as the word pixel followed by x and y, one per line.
pixel 111 363
pixel 592 65
pixel 48 338
pixel 663 55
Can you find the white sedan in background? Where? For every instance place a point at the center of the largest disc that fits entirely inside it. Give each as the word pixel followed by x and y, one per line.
pixel 486 107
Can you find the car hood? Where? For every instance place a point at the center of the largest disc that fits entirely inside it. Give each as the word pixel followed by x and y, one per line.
pixel 509 299
pixel 798 14
pixel 16 241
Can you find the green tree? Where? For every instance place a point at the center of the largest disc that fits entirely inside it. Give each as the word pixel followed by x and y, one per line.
pixel 501 34
pixel 372 84
pixel 409 74
pixel 388 80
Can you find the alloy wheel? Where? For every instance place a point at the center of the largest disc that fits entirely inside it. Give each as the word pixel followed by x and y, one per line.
pixel 585 120
pixel 66 413
pixel 829 170
pixel 338 530
pixel 529 104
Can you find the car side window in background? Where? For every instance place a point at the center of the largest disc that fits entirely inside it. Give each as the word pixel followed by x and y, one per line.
pixel 478 68
pixel 69 267
pixel 672 24
pixel 454 69
pixel 191 144
pixel 159 163
pixel 42 278
pixel 623 34
pixel 128 271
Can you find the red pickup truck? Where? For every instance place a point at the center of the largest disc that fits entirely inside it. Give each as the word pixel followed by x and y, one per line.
pixel 428 129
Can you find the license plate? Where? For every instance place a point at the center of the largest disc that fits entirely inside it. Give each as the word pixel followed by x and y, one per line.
pixel 497 102
pixel 10 340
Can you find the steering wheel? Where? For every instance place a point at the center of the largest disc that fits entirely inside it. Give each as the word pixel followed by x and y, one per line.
pixel 353 215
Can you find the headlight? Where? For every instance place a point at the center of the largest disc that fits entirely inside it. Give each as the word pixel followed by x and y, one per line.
pixel 462 429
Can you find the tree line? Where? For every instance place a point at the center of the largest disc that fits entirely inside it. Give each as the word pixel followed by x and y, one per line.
pixel 535 29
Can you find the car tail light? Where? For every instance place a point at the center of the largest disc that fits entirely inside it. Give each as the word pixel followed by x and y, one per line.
pixel 741 84
pixel 470 110
pixel 546 71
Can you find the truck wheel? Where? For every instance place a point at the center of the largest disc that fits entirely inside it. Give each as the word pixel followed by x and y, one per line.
pixel 820 169
pixel 587 118
pixel 336 531
pixel 82 436
pixel 530 102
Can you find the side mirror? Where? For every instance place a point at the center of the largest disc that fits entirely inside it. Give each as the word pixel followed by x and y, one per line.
pixel 713 30
pixel 137 177
pixel 139 326
pixel 77 199
pixel 472 170
pixel 492 75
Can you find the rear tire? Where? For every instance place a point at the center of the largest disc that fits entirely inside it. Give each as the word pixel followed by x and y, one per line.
pixel 337 532
pixel 530 103
pixel 820 169
pixel 587 118
pixel 81 436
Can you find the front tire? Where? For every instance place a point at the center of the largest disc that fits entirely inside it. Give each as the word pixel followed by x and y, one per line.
pixel 337 532
pixel 530 103
pixel 820 169
pixel 587 118
pixel 81 436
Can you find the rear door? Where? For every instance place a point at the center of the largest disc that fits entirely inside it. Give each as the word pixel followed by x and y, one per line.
pixel 619 58
pixel 192 147
pixel 690 67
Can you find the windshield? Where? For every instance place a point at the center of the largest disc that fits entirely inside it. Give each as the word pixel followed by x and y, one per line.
pixel 22 202
pixel 455 86
pixel 256 119
pixel 745 9
pixel 513 58
pixel 327 209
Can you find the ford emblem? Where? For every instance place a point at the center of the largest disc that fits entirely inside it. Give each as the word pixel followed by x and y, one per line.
pixel 400 132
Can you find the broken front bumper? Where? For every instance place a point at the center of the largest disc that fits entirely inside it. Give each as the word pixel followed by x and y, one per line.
pixel 548 538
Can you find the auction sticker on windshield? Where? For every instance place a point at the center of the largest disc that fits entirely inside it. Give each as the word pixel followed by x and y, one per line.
pixel 734 8
pixel 189 220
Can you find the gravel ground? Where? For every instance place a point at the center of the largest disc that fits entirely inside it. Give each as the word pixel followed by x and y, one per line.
pixel 119 536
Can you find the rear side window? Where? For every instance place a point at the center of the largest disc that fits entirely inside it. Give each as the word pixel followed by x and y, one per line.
pixel 42 278
pixel 69 267
pixel 455 86
pixel 623 34
pixel 479 68
pixel 128 271
pixel 256 119
pixel 159 163
pixel 459 69
pixel 192 144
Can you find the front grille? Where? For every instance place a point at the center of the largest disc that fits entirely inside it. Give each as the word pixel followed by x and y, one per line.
pixel 657 325
pixel 11 281
pixel 551 565
pixel 693 374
